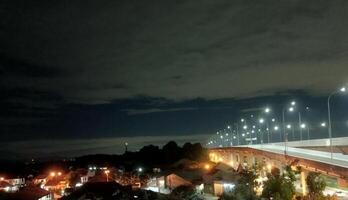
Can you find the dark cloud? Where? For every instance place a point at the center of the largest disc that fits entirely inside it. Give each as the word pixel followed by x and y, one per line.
pixel 86 69
pixel 121 49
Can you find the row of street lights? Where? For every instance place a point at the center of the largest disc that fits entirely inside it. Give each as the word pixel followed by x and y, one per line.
pixel 245 130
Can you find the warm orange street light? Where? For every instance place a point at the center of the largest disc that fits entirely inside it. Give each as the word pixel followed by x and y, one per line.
pixel 207 166
pixel 107 175
pixel 53 174
pixel 59 173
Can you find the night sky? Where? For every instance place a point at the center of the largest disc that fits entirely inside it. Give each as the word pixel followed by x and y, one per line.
pixel 93 74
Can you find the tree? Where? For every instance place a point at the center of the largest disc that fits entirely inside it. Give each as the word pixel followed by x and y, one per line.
pixel 316 185
pixel 244 189
pixel 280 186
pixel 185 192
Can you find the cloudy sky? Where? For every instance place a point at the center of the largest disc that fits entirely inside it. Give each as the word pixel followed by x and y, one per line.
pixel 127 68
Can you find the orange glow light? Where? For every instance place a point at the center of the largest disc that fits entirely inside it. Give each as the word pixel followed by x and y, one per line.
pixel 207 166
pixel 53 174
pixel 59 173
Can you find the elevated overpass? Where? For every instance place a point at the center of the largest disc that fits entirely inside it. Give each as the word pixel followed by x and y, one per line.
pixel 340 145
pixel 299 153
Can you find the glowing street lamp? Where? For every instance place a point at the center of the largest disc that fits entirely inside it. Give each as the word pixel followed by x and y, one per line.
pixel 245 127
pixel 290 127
pixel 305 126
pixel 323 124
pixel 267 110
pixel 342 90
pixel 276 128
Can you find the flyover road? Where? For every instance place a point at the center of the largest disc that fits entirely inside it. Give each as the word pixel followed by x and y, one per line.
pixel 339 159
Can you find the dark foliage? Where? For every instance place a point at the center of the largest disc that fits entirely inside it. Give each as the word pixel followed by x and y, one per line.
pixel 148 157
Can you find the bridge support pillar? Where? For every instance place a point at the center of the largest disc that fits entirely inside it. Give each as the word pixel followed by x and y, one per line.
pixel 342 182
pixel 304 183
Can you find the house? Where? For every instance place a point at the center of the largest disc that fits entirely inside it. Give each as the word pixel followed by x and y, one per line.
pixel 40 180
pixel 14 181
pixel 5 186
pixel 167 181
pixel 222 178
pixel 55 184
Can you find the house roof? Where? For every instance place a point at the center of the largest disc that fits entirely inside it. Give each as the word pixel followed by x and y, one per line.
pixel 193 176
pixel 223 167
pixel 4 184
pixel 30 193
pixel 41 176
pixel 52 182
pixel 99 178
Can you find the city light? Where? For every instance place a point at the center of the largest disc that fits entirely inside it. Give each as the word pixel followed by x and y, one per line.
pixel 323 124
pixel 293 103
pixel 207 166
pixel 140 169
pixel 242 120
pixel 343 89
pixel 267 110
pixel 59 173
pixel 276 128
pixel 245 127
pixel 261 120
pixel 303 125
pixel 231 163
pixel 53 174
pixel 288 126
pixel 269 167
pixel 228 127
pixel 273 120
pixel 107 175
pixel 291 109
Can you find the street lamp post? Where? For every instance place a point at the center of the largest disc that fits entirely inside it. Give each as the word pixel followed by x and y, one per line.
pixel 261 121
pixel 237 130
pixel 267 111
pixel 291 109
pixel 343 89
pixel 299 124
